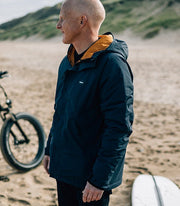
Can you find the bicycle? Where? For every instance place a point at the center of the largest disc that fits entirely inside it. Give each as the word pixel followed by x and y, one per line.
pixel 22 137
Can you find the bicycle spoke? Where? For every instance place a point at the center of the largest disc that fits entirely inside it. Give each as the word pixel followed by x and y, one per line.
pixel 25 152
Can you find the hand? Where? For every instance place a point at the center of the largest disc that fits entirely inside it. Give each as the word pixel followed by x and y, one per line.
pixel 91 193
pixel 46 162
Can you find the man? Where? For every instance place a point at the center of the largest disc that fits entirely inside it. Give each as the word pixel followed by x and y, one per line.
pixel 93 109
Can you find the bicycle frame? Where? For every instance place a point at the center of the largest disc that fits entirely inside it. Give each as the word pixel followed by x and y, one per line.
pixel 5 111
pixel 22 131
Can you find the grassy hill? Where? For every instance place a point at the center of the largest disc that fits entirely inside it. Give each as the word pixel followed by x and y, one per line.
pixel 144 18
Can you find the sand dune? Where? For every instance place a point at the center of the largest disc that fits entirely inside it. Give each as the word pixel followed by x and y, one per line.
pixel 155 144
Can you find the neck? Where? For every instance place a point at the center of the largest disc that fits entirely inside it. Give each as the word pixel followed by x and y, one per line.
pixel 84 42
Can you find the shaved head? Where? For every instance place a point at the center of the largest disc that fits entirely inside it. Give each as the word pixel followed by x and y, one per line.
pixel 92 9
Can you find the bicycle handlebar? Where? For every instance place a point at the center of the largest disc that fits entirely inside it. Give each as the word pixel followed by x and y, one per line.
pixel 3 74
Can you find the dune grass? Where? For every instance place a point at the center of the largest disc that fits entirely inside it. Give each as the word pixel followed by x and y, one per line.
pixel 144 18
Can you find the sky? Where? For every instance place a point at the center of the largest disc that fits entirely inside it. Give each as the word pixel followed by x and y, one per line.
pixel 10 9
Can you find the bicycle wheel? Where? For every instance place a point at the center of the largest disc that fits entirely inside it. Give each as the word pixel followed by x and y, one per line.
pixel 22 142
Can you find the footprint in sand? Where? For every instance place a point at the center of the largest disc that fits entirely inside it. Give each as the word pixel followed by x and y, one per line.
pixel 174 164
pixel 172 146
pixel 37 179
pixel 20 202
pixel 21 182
pixel 2 200
pixel 166 160
pixel 49 189
pixel 4 178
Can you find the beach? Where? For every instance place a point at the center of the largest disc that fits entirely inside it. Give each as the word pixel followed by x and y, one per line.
pixel 154 146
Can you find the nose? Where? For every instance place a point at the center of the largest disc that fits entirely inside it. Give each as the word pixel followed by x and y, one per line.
pixel 58 25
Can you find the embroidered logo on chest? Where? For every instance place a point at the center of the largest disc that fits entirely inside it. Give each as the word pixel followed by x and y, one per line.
pixel 81 82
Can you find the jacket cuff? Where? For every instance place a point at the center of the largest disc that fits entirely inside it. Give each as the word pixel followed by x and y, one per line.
pixel 97 184
pixel 92 183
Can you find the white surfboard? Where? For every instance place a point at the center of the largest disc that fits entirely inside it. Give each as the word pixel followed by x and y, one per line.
pixel 151 190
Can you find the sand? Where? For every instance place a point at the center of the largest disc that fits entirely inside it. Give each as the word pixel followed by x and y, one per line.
pixel 155 143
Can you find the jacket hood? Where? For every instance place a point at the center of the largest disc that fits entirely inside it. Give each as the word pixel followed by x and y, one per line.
pixel 105 43
pixel 120 47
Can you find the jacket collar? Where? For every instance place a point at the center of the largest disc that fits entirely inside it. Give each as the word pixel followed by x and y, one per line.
pixel 101 44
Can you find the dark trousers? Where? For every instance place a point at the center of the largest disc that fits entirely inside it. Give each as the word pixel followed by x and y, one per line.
pixel 69 195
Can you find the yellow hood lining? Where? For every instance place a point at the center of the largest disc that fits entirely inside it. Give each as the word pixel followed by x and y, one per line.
pixel 101 44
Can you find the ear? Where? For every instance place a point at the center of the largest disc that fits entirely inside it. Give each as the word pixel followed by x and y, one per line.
pixel 83 20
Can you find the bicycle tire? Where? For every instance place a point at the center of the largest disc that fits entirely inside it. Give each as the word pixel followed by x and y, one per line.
pixel 30 123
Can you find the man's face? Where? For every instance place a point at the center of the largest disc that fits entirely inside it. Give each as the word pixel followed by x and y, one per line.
pixel 69 24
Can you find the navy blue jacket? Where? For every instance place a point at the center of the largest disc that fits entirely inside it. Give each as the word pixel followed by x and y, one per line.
pixel 93 116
